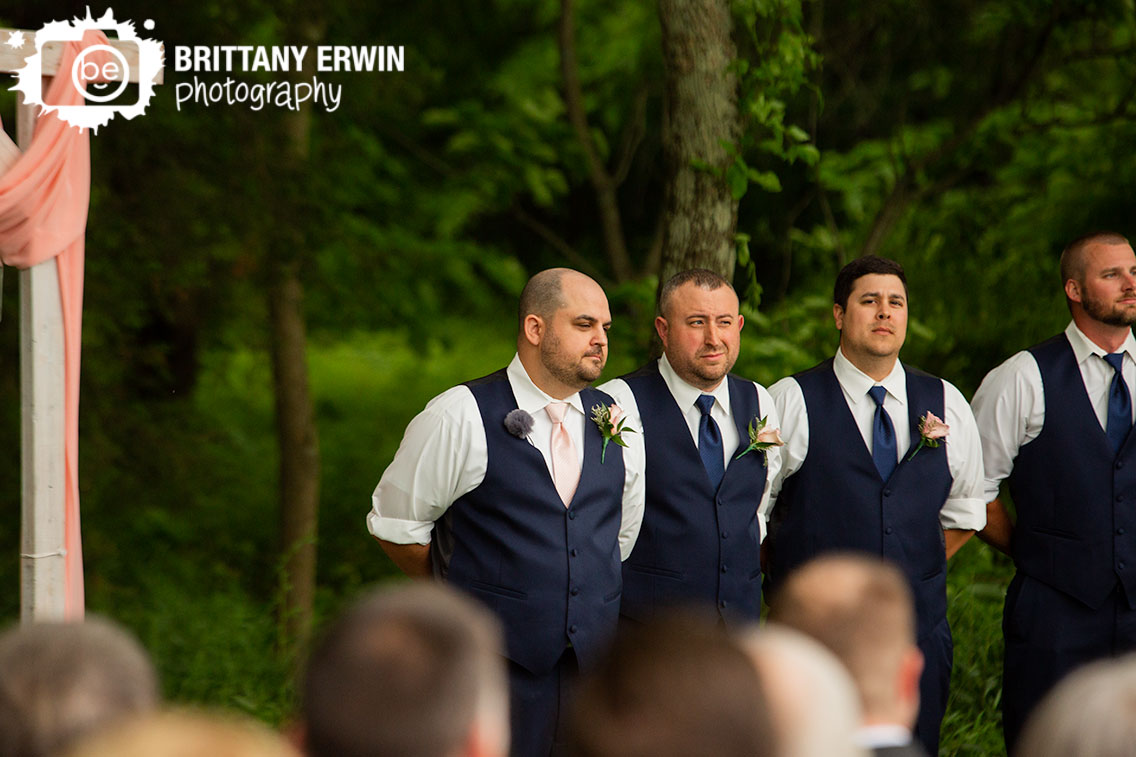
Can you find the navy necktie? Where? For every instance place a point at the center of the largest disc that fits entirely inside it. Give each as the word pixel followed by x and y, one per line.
pixel 884 453
pixel 1119 404
pixel 710 442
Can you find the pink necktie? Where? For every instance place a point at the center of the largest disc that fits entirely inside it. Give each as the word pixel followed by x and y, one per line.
pixel 565 464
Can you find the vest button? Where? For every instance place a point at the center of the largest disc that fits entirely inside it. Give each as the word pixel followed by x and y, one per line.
pixel 573 553
pixel 887 492
pixel 1119 464
pixel 723 568
pixel 1119 497
pixel 572 629
pixel 1120 565
pixel 887 530
pixel 722 604
pixel 571 515
pixel 575 592
pixel 1120 532
pixel 725 534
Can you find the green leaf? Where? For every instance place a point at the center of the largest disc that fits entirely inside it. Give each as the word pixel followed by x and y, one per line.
pixel 736 178
pixel 767 180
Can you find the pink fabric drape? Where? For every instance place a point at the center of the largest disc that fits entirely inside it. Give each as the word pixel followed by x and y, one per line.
pixel 44 197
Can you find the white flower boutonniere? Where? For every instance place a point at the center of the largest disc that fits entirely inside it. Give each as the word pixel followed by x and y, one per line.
pixel 611 424
pixel 762 438
pixel 932 432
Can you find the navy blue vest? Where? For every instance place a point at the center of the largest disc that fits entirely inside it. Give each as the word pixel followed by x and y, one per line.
pixel 696 544
pixel 550 573
pixel 1075 498
pixel 837 501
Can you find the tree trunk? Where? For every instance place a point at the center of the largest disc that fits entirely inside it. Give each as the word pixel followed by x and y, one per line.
pixel 701 114
pixel 297 436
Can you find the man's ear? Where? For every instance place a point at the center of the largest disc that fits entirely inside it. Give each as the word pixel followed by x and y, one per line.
pixel 532 329
pixel 1073 290
pixel 838 316
pixel 662 328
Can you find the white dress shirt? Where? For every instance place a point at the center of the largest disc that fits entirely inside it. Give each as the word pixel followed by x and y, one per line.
pixel 1010 403
pixel 965 509
pixel 685 396
pixel 444 456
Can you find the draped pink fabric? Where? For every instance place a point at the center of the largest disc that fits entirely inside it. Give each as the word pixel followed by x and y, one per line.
pixel 44 197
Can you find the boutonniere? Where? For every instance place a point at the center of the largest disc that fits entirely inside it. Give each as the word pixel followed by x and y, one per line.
pixel 611 424
pixel 932 432
pixel 762 438
pixel 519 423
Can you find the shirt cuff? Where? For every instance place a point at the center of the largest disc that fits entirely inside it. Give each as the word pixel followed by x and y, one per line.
pixel 963 514
pixel 399 531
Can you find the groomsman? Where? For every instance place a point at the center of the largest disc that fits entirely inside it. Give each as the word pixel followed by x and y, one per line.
pixel 1054 421
pixel 700 540
pixel 879 458
pixel 504 487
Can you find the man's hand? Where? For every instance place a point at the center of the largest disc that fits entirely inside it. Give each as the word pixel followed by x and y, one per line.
pixel 411 559
pixel 999 528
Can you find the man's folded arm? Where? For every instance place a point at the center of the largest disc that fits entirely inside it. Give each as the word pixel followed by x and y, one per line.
pixel 411 559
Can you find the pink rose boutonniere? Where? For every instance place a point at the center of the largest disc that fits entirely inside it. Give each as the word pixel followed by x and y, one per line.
pixel 762 438
pixel 612 426
pixel 932 432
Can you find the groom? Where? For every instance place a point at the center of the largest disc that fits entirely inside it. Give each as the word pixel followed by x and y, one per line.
pixel 502 487
pixel 855 476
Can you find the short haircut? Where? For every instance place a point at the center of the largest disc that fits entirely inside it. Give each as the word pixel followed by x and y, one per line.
pixel 406 672
pixel 861 609
pixel 869 264
pixel 1073 256
pixel 542 295
pixel 186 734
pixel 701 277
pixel 676 686
pixel 1091 713
pixel 60 681
pixel 811 698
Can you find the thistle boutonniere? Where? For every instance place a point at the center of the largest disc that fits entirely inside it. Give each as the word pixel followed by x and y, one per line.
pixel 519 423
pixel 611 424
pixel 932 432
pixel 762 438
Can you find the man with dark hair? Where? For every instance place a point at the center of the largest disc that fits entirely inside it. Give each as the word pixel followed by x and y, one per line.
pixel 705 482
pixel 869 466
pixel 1055 420
pixel 861 608
pixel 414 671
pixel 504 487
pixel 62 681
pixel 675 686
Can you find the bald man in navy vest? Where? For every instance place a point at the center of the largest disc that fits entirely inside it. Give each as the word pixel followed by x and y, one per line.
pixel 1055 422
pixel 700 540
pixel 503 487
pixel 865 466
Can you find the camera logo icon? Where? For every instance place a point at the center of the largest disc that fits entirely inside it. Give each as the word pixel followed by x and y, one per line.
pixel 111 79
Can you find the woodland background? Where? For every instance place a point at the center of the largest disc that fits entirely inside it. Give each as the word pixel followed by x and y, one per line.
pixel 271 296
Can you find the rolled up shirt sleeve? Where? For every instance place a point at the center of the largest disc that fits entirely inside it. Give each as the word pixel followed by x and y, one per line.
pixel 443 456
pixel 793 420
pixel 965 508
pixel 1009 408
pixel 773 457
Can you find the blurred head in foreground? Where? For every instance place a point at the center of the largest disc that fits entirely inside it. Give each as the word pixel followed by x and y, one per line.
pixel 60 681
pixel 185 734
pixel 861 609
pixel 1091 713
pixel 413 671
pixel 677 686
pixel 811 699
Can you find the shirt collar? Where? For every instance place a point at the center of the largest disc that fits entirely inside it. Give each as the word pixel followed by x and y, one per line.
pixel 1083 347
pixel 686 394
pixel 856 383
pixel 529 396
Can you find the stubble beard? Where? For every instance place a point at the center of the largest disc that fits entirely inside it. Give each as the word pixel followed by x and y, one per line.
pixel 1110 314
pixel 578 374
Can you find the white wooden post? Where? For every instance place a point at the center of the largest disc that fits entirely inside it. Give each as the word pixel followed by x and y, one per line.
pixel 42 365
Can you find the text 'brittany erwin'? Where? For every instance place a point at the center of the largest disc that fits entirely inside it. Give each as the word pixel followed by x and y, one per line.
pixel 284 58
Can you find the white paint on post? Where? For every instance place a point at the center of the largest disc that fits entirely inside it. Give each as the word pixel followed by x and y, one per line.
pixel 42 557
